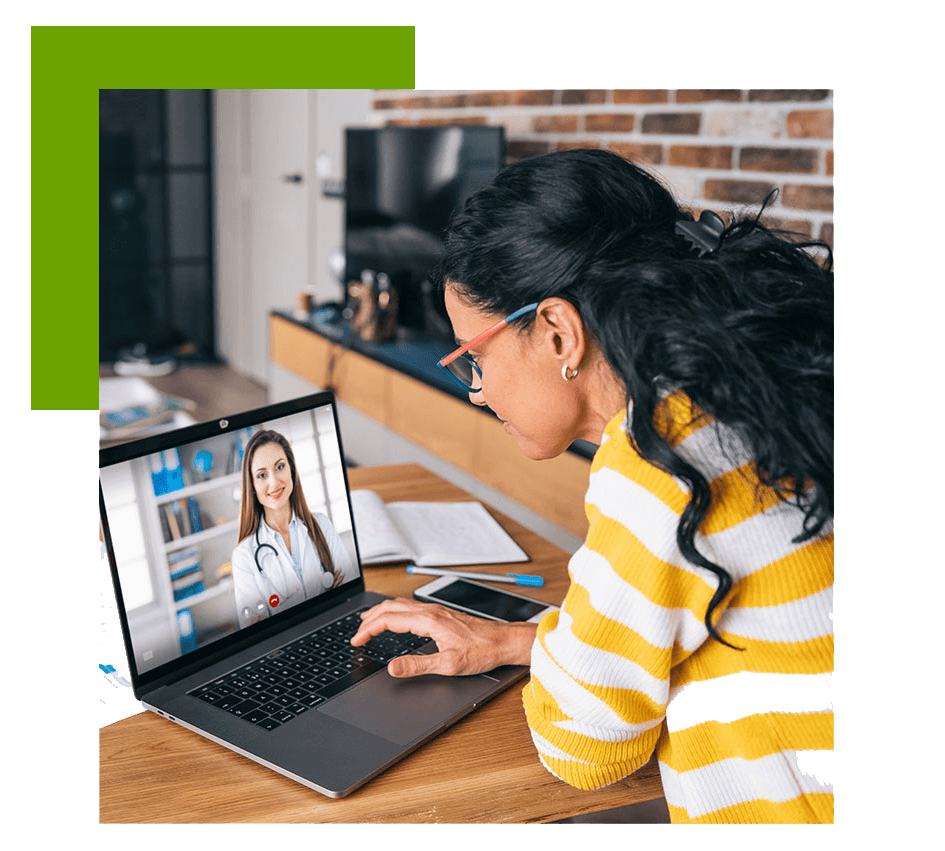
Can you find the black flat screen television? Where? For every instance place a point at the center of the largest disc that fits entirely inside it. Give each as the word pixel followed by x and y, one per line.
pixel 401 186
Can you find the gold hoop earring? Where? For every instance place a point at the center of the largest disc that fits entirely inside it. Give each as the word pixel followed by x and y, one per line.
pixel 564 373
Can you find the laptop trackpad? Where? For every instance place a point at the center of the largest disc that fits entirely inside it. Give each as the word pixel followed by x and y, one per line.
pixel 403 710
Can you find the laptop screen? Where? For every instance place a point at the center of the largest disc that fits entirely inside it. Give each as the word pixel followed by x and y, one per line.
pixel 217 527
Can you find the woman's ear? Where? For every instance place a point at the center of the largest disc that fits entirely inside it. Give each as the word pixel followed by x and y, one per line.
pixel 562 329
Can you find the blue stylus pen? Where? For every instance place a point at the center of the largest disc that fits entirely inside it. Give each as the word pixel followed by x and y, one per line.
pixel 511 578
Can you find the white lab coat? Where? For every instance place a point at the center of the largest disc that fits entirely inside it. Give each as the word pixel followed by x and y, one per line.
pixel 278 587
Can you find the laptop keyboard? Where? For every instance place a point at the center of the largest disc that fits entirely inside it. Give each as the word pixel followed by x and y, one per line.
pixel 283 684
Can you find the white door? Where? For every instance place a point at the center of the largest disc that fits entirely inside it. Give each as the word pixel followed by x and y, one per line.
pixel 274 230
pixel 261 145
pixel 279 188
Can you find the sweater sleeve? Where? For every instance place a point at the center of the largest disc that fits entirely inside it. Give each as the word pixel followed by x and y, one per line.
pixel 600 675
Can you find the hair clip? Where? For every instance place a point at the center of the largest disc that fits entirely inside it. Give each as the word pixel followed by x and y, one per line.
pixel 705 235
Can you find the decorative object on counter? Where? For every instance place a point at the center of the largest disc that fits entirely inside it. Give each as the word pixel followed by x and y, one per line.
pixel 373 305
pixel 305 303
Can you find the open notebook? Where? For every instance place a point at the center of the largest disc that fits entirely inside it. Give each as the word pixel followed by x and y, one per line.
pixel 431 534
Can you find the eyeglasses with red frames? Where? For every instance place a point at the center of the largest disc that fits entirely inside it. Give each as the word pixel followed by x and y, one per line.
pixel 462 368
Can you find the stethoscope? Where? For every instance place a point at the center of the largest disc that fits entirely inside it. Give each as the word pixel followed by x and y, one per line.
pixel 326 578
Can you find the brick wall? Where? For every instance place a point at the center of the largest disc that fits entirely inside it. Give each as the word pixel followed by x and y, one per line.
pixel 724 149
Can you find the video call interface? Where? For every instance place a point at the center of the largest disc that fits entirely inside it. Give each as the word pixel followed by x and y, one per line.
pixel 174 520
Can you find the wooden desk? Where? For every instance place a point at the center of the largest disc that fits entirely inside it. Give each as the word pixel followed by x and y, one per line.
pixel 483 769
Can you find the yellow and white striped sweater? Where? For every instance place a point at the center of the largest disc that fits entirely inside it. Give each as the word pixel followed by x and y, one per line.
pixel 627 666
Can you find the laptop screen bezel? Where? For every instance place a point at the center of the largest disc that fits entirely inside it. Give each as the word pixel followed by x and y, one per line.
pixel 248 636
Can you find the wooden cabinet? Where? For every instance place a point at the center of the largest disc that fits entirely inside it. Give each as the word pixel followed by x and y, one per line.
pixel 469 437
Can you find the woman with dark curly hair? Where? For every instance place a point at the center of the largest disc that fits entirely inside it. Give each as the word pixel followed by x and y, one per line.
pixel 699 357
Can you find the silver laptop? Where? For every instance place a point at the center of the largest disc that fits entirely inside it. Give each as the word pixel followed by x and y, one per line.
pixel 236 654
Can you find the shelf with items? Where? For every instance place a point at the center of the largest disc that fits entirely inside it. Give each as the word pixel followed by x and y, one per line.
pixel 194 501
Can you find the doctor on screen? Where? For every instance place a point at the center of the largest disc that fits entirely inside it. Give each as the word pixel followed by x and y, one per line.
pixel 285 553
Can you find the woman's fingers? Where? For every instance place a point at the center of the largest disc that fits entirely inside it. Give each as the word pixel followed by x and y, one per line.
pixel 396 615
pixel 466 645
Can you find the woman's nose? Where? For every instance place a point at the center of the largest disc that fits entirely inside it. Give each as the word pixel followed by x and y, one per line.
pixel 476 397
